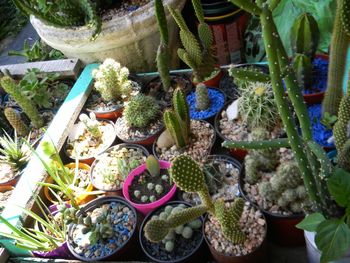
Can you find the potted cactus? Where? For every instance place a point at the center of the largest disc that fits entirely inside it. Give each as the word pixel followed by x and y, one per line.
pixel 205 102
pixel 89 137
pixel 197 53
pixel 14 156
pixel 326 229
pixel 105 229
pixel 112 88
pixel 221 176
pixel 149 185
pixel 255 108
pixel 162 87
pixel 233 229
pixel 182 134
pixel 141 121
pixel 182 244
pixel 111 168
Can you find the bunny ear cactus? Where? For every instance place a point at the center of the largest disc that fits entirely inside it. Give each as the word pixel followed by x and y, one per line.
pixel 248 74
pixel 26 104
pixel 196 53
pixel 202 97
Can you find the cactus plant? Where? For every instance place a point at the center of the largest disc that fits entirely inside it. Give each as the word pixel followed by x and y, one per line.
pixel 196 53
pixel 16 122
pixel 4 123
pixel 189 177
pixel 177 121
pixel 247 74
pixel 26 104
pixel 202 97
pixel 91 124
pixel 153 166
pixel 141 110
pixel 303 69
pixel 111 80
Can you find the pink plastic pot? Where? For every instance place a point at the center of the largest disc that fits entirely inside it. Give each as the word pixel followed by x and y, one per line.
pixel 147 208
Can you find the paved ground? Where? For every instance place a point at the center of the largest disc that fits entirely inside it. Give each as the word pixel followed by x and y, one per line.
pixel 28 33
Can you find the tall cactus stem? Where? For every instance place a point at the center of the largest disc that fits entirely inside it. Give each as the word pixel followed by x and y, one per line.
pixel 161 20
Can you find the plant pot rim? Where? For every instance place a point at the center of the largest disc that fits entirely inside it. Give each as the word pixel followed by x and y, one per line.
pixel 95 204
pixel 102 150
pixel 154 145
pixel 117 146
pixel 166 165
pixel 146 219
pixel 12 182
pixel 219 72
pixel 206 218
pixel 245 196
pixel 218 116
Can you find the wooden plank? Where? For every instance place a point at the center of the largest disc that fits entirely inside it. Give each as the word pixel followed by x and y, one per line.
pixel 68 68
pixel 22 195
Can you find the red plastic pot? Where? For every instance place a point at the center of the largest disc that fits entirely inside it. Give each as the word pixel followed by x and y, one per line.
pixel 213 82
pixel 112 115
pixel 147 208
pixel 280 228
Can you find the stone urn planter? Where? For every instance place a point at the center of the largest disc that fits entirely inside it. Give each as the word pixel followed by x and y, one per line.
pixel 122 38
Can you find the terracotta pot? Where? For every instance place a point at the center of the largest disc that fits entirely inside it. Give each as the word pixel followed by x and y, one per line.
pixel 128 251
pixel 81 199
pixel 280 228
pixel 199 252
pixel 259 255
pixel 13 181
pixel 213 82
pixel 116 192
pixel 112 115
pixel 149 207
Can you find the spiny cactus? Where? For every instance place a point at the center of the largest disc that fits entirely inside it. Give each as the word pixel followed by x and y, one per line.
pixel 202 97
pixel 16 121
pixel 111 80
pixel 153 166
pixel 91 124
pixel 305 35
pixel 196 53
pixel 163 53
pixel 257 105
pixel 244 75
pixel 141 110
pixel 26 104
pixel 4 123
pixel 177 121
pixel 303 69
pixel 337 62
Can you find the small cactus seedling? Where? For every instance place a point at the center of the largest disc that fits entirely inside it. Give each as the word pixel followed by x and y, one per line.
pixel 202 97
pixel 16 121
pixel 153 166
pixel 91 124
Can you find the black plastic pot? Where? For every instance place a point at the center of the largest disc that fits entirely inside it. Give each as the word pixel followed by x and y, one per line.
pixel 128 251
pixel 280 228
pixel 115 192
pixel 199 251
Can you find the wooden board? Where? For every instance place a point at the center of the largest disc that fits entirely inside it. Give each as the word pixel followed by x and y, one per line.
pixel 68 68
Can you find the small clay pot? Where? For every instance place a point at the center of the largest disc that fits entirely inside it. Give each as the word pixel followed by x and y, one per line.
pixel 213 82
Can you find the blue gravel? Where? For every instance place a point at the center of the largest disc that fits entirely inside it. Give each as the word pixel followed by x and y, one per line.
pixel 217 100
pixel 320 133
pixel 319 76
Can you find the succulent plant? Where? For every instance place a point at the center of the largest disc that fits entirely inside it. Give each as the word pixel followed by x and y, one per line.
pixel 91 124
pixel 14 118
pixel 4 123
pixel 303 69
pixel 111 80
pixel 152 165
pixel 243 75
pixel 26 104
pixel 196 53
pixel 141 110
pixel 177 121
pixel 202 97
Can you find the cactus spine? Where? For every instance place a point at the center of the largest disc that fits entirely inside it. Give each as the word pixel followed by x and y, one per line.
pixel 163 54
pixel 339 50
pixel 27 106
pixel 177 121
pixel 202 97
pixel 196 53
pixel 16 122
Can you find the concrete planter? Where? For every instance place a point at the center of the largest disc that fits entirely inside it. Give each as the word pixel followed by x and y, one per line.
pixel 132 39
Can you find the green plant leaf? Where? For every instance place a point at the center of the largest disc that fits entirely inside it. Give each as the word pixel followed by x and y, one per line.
pixel 311 222
pixel 333 239
pixel 339 187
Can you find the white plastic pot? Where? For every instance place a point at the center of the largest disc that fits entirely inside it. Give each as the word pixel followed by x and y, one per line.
pixel 314 255
pixel 131 39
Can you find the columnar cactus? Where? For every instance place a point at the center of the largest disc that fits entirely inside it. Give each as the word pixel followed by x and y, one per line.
pixel 163 53
pixel 196 53
pixel 202 97
pixel 26 104
pixel 188 176
pixel 16 122
pixel 177 121
pixel 141 110
pixel 111 80
pixel 303 69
